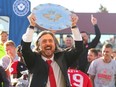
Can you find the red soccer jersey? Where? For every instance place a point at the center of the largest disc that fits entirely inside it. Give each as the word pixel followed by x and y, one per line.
pixel 17 67
pixel 78 78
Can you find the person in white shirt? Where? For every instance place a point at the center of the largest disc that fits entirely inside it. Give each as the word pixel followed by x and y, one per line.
pixel 102 71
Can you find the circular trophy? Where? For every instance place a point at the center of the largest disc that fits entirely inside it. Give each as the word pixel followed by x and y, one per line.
pixel 52 16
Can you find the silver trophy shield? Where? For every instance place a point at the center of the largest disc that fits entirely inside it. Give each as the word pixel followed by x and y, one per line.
pixel 52 16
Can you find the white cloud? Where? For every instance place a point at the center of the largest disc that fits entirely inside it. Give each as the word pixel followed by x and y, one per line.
pixel 80 5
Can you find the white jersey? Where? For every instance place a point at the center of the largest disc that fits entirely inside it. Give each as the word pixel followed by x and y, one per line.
pixel 104 73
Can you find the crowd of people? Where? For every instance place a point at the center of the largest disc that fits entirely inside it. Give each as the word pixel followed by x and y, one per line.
pixel 76 64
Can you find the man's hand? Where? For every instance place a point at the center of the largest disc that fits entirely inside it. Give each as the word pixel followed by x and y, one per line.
pixel 93 20
pixel 32 19
pixel 74 19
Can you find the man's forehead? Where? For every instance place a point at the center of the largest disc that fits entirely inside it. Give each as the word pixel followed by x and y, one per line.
pixel 106 49
pixel 46 36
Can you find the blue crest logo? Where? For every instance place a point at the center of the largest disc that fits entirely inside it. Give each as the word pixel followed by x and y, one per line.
pixel 21 7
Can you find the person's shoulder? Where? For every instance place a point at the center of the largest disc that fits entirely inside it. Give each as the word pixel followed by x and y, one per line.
pixel 21 66
pixel 96 62
pixel 1 46
pixel 82 73
pixel 98 59
pixel 113 61
pixel 21 63
pixel 4 58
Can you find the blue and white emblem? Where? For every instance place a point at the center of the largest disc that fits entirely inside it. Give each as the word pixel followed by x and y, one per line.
pixel 21 7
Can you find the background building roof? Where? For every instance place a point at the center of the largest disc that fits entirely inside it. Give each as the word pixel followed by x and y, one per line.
pixel 106 23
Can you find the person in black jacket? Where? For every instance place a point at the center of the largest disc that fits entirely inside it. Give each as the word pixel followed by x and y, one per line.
pixel 4 82
pixel 83 62
pixel 47 49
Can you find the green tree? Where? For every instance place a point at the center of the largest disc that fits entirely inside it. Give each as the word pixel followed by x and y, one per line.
pixel 103 9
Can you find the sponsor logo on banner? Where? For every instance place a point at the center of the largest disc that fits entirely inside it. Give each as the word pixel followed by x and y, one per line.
pixel 21 7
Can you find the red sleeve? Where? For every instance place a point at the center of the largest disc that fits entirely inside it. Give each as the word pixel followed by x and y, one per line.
pixel 13 69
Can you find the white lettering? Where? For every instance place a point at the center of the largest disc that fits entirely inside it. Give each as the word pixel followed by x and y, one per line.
pixel 77 80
